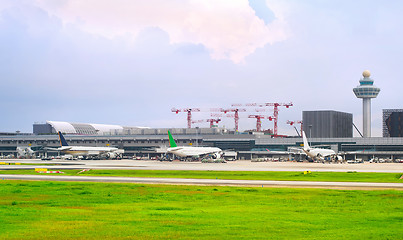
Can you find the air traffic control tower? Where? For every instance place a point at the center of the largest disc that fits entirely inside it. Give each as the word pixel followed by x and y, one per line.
pixel 366 90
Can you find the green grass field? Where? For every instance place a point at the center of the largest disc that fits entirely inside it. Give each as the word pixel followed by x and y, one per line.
pixel 244 175
pixel 67 210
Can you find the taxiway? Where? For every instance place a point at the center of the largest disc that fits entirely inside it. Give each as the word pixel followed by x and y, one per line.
pixel 241 165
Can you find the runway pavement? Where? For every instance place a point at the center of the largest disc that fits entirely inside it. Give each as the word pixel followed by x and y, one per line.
pixel 217 182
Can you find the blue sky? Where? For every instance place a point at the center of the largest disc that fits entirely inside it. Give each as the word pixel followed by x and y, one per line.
pixel 130 62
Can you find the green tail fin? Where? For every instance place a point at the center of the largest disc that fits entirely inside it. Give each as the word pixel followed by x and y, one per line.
pixel 172 142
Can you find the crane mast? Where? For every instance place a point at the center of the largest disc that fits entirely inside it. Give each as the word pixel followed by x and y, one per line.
pixel 259 120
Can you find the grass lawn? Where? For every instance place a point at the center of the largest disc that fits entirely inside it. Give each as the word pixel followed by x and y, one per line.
pixel 243 175
pixel 67 210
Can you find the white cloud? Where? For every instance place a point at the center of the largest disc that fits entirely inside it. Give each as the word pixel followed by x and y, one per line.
pixel 64 54
pixel 228 29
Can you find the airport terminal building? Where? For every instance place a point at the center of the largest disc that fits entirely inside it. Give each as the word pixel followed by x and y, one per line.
pixel 152 142
pixel 52 127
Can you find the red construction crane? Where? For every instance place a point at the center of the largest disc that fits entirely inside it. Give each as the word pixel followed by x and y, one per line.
pixel 236 115
pixel 259 121
pixel 295 122
pixel 189 111
pixel 275 111
pixel 211 121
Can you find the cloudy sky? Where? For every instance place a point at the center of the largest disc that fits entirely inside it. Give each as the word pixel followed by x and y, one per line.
pixel 129 62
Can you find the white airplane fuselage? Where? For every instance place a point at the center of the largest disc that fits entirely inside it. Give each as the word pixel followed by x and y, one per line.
pixel 195 151
pixel 319 153
pixel 83 151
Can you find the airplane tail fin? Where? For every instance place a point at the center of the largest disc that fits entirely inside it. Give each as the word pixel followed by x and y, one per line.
pixel 306 145
pixel 172 142
pixel 63 141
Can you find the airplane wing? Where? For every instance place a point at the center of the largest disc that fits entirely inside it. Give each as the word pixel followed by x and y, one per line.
pixel 176 149
pixel 353 152
pixel 278 152
pixel 213 154
pixel 57 149
pixel 94 153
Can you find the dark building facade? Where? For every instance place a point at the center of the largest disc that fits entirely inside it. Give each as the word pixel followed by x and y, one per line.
pixel 42 128
pixel 327 124
pixel 392 123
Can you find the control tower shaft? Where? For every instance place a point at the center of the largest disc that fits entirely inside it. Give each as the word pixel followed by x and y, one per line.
pixel 366 90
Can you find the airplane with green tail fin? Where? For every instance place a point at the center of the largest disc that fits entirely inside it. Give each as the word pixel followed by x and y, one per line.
pixel 190 151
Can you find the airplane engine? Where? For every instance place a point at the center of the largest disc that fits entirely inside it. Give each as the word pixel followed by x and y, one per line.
pixel 217 155
pixel 111 155
pixel 67 157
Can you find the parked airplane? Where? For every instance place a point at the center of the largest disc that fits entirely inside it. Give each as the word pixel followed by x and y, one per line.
pixel 84 151
pixel 214 152
pixel 25 152
pixel 319 153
